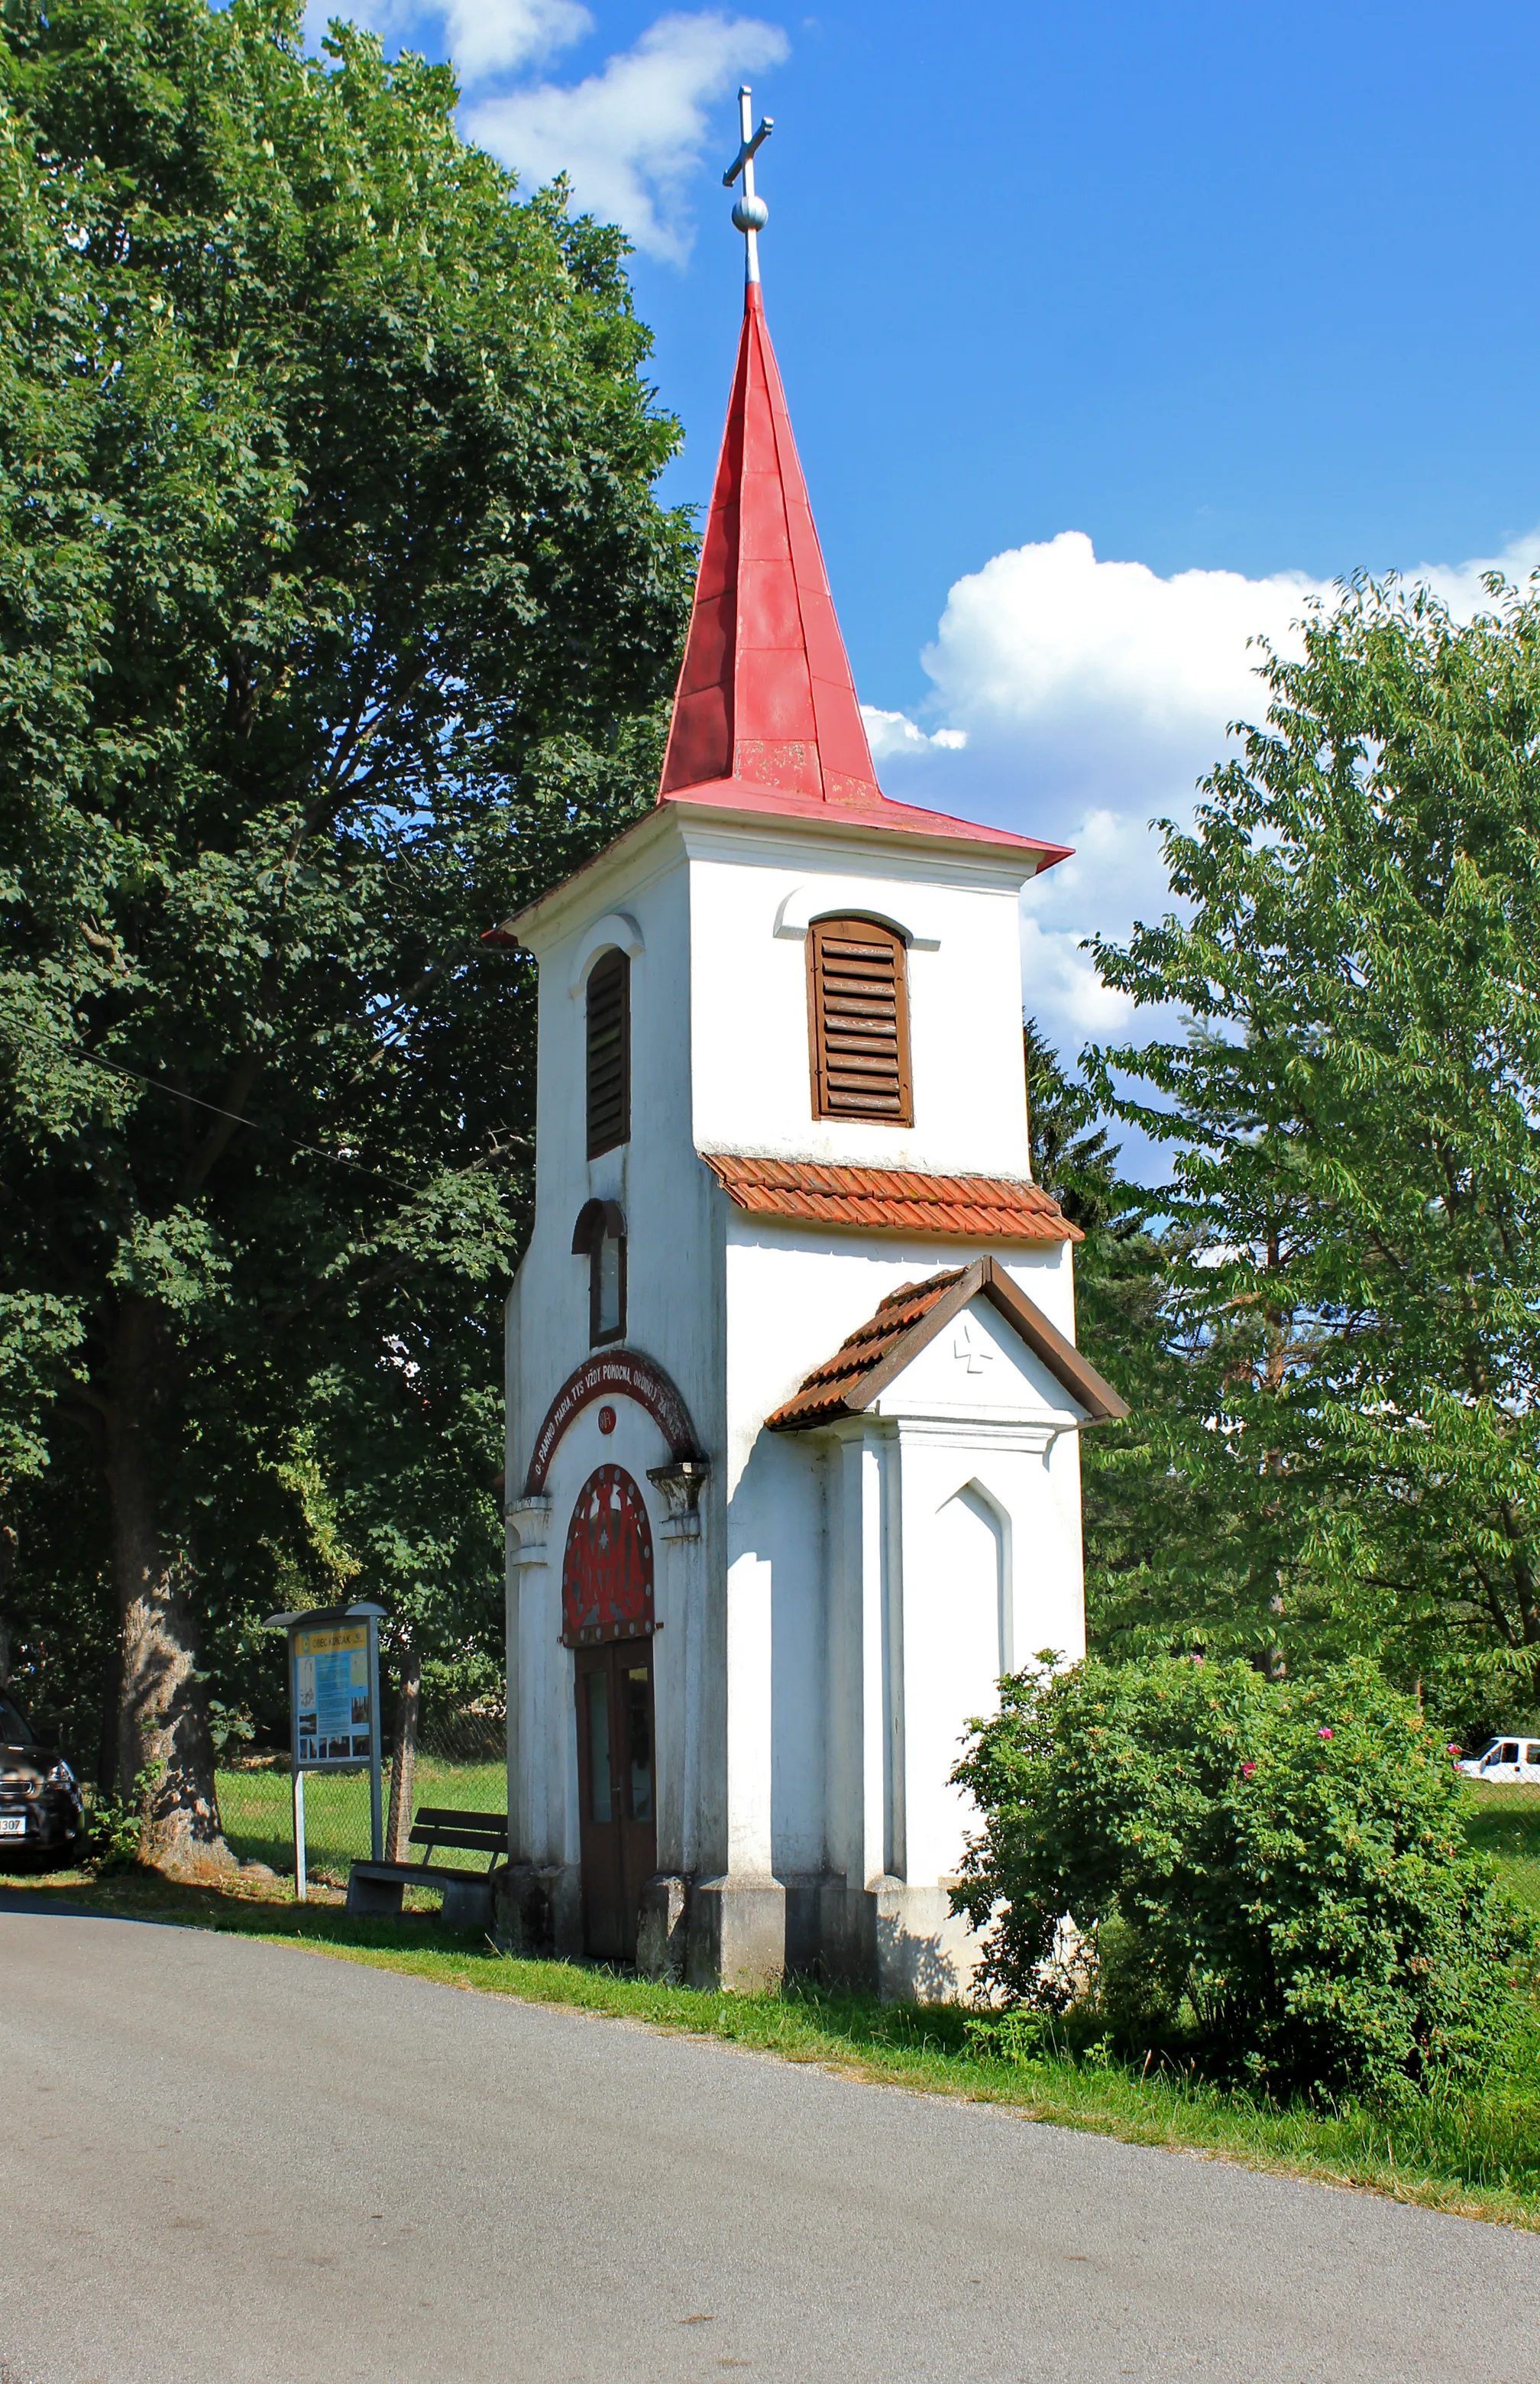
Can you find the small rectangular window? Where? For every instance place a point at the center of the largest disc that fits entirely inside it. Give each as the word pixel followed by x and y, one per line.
pixel 858 1021
pixel 599 1236
pixel 607 1290
pixel 609 1053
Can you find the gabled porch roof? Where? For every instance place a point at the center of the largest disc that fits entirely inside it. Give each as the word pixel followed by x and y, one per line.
pixel 871 1356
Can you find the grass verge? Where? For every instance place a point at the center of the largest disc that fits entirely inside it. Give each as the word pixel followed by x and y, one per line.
pixel 1474 2153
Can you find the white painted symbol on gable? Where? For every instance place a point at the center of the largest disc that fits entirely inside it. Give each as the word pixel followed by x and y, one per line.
pixel 971 1348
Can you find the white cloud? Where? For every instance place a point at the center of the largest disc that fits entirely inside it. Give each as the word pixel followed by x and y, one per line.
pixel 1078 699
pixel 630 136
pixel 487 37
pixel 889 733
pixel 1089 696
pixel 1048 645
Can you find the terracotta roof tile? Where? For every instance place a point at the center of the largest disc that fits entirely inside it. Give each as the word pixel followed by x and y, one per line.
pixel 893 1199
pixel 826 1390
pixel 876 1351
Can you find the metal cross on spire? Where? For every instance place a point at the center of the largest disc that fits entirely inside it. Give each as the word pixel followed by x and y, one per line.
pixel 749 212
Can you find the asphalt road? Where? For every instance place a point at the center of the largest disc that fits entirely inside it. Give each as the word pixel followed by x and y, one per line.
pixel 247 2163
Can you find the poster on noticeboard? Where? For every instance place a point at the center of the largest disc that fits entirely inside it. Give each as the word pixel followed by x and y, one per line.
pixel 333 1713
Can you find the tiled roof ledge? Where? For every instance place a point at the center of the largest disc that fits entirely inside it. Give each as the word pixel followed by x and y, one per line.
pixel 892 1200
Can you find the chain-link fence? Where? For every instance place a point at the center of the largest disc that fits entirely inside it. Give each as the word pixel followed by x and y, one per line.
pixel 461 1761
pixel 1505 1823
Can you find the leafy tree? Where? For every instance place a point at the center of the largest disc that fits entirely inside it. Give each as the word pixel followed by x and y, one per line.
pixel 335 612
pixel 1138 1505
pixel 1276 1876
pixel 1351 1284
pixel 1073 1156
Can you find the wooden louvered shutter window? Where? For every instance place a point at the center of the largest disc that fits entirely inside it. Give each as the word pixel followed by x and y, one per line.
pixel 609 1053
pixel 858 1004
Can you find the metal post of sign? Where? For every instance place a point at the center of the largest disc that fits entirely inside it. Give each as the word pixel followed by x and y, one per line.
pixel 377 1822
pixel 297 1778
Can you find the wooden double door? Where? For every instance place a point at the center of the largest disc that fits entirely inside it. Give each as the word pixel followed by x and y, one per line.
pixel 617 1791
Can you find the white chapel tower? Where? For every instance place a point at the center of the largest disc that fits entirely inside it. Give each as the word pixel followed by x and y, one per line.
pixel 793 1397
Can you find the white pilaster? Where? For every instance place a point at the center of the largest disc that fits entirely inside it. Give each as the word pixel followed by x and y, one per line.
pixel 750 1670
pixel 529 1525
pixel 677 1663
pixel 866 1683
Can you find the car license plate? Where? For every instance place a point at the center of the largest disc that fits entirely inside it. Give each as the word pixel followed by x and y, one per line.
pixel 13 1825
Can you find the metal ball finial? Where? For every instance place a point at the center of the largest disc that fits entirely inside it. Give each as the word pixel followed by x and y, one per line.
pixel 750 212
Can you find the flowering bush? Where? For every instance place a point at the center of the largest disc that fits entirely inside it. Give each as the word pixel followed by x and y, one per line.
pixel 1278 1872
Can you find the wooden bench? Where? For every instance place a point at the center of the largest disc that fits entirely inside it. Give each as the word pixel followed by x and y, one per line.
pixel 377 1887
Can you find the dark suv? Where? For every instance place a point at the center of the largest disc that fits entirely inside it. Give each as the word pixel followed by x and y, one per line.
pixel 40 1805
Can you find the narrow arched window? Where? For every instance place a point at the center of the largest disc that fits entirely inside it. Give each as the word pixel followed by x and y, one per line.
pixel 858 1021
pixel 609 1053
pixel 599 1236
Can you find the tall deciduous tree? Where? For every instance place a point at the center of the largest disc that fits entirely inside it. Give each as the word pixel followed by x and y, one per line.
pixel 1153 1560
pixel 335 606
pixel 1353 1281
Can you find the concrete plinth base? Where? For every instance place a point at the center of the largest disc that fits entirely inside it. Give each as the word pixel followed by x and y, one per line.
pixel 662 1948
pixel 847 1943
pixel 744 1934
pixel 925 1952
pixel 904 1941
pixel 735 1934
pixel 538 1909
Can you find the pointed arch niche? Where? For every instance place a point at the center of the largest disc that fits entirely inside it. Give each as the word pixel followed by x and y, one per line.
pixel 988 1516
pixel 957 1642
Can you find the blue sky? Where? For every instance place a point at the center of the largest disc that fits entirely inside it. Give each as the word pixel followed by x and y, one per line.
pixel 1109 332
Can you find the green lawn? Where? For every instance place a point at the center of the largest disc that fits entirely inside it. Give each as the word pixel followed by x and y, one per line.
pixel 255 1808
pixel 1507 1824
pixel 1475 2152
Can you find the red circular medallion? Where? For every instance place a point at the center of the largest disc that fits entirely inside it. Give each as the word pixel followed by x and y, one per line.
pixel 606 1420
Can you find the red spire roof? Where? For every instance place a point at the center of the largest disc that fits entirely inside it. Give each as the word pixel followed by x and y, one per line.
pixel 765 718
pixel 765 692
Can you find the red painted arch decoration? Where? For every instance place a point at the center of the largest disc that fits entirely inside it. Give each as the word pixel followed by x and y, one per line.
pixel 625 1374
pixel 607 1564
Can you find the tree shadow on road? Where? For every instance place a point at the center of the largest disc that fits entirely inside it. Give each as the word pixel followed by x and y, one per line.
pixel 237 1907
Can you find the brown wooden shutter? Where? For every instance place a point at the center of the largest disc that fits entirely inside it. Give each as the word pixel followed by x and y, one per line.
pixel 858 1003
pixel 609 1054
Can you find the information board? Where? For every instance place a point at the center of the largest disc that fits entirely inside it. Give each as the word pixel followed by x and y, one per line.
pixel 334 1707
pixel 333 1695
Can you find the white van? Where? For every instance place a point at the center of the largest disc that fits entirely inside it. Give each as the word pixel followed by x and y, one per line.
pixel 1506 1758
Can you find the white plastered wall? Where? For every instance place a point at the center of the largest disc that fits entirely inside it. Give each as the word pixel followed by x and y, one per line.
pixel 839 1538
pixel 795 1760
pixel 545 1793
pixel 989 1457
pixel 750 900
pixel 638 903
pixel 790 1297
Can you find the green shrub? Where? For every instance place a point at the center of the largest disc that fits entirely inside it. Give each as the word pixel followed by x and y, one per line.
pixel 1278 1871
pixel 115 1825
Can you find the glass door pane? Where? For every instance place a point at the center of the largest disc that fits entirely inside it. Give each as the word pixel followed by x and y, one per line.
pixel 639 1740
pixel 602 1807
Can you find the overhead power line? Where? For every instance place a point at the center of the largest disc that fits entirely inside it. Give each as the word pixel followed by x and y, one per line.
pixel 252 1126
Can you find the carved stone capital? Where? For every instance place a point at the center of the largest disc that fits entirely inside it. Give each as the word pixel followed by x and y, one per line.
pixel 681 1483
pixel 529 1521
